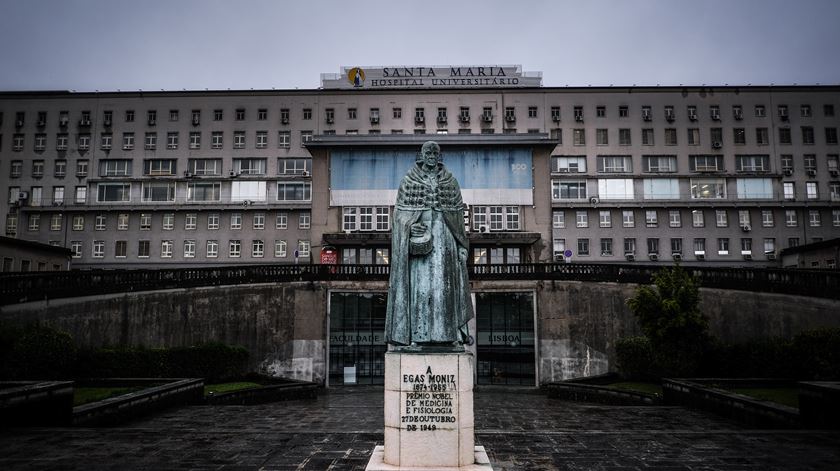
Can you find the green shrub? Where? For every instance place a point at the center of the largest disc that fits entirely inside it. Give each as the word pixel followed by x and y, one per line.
pixel 36 352
pixel 816 354
pixel 634 356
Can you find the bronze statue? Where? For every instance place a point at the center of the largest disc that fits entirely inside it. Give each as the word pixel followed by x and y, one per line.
pixel 429 299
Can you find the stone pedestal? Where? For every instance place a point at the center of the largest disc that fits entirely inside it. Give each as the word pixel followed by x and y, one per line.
pixel 429 414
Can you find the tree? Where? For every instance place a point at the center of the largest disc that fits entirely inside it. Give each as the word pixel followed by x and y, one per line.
pixel 669 315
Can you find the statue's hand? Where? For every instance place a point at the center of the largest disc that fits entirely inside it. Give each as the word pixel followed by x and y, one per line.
pixel 417 230
pixel 462 253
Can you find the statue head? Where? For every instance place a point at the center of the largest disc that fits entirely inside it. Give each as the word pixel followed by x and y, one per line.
pixel 429 156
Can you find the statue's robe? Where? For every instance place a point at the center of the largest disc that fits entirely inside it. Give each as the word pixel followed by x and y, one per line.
pixel 428 297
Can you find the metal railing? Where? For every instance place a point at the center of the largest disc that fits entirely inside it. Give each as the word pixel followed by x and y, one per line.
pixel 24 287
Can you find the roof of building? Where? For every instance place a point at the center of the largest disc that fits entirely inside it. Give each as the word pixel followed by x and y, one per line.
pixel 28 244
pixel 415 140
pixel 823 244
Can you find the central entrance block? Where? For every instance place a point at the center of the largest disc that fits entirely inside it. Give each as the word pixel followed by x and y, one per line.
pixel 429 413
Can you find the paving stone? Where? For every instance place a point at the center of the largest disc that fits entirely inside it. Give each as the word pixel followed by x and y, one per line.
pixel 521 430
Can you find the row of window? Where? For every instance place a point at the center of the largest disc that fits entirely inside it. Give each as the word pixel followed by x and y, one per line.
pixel 211 249
pixel 584 248
pixel 698 218
pixel 695 188
pixel 669 113
pixel 716 139
pixel 696 163
pixel 167 221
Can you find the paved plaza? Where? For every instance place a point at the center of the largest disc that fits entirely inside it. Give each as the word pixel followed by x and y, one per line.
pixel 521 430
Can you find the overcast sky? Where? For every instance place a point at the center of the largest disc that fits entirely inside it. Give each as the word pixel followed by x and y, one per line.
pixel 196 44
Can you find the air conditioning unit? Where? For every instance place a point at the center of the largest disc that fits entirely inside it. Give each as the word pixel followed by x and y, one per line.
pixel 746 228
pixel 63 121
pixel 717 145
pixel 747 256
pixel 187 174
pixel 58 203
pixel 653 257
pixel 558 257
pixel 594 200
pixel 196 121
pixel 305 173
pixel 771 256
pixel 233 173
pixel 676 256
pixel 107 123
pixel 700 255
pixel 834 172
pixel 84 122
pixel 716 117
pixel 23 195
pixel 465 118
pixel 419 119
pixel 812 172
pixel 556 118
pixel 739 116
pixel 284 121
pixel 18 124
pixel 669 118
pixel 152 122
pixel 579 118
pixel 510 118
pixel 692 117
pixel 41 124
pixel 483 229
pixel 788 171
pixel 487 118
pixel 441 119
pixel 783 117
pixel 646 117
pixel 330 120
pixel 374 120
pixel 630 257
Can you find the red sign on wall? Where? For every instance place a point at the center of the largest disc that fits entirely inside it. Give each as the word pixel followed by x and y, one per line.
pixel 329 256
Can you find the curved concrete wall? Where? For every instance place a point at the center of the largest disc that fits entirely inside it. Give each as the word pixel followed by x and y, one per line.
pixel 284 327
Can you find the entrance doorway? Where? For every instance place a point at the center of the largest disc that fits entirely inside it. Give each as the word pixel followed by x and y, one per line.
pixel 505 338
pixel 357 338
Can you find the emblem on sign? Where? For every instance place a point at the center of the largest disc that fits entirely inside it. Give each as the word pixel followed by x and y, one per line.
pixel 356 76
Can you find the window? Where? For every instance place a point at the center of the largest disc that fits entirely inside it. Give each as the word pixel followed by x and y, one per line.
pixel 835 217
pixel 697 219
pixel 568 190
pixel 105 141
pixel 761 136
pixel 705 163
pixel 629 246
pixel 189 248
pixel 811 190
pixel 204 167
pixel 714 112
pixel 305 136
pixel 239 139
pixel 11 224
pixel 752 163
pixel 296 166
pixel 653 246
pixel 559 246
pixel 615 164
pixel 249 166
pixel 172 140
pixel 56 222
pixel 76 248
pixel 623 111
pixel 35 222
pixel 606 247
pixel 783 112
pixel 396 113
pixel 834 191
pixel 651 218
pixel 601 137
pixel 143 248
pixel 217 139
pixel 114 168
pixel 831 136
pixel 81 195
pixel 113 192
pixel 37 168
pixel 746 246
pixel 78 222
pixel 790 218
pixel 624 137
pixel 60 169
pixel 305 219
pixel 674 218
pixel 234 248
pixel 744 219
pixel 723 246
pixel 693 137
pixel 661 188
pixel 98 248
pixel 581 219
pixel 151 117
pixel 258 221
pixel 129 116
pixel 558 220
pixel 708 188
pixel 807 135
pixel 159 167
pixel 58 195
pixel 83 142
pixel 659 163
pixel 555 114
pixel 805 111
pixel 198 192
pixel 128 141
pixel 168 221
pixel 262 139
pixel 568 164
pixel 676 246
pixel 754 188
pixel 784 136
pixel 692 112
pixel 145 221
pixel 669 113
pixel 122 222
pixel 670 136
pixel 190 221
pixel 257 248
pixel 213 221
pixel 195 140
pixel 583 247
pixel 284 139
pixel 166 247
pixel 699 246
pixel 294 191
pixel 769 245
pixel 150 141
pixel 81 168
pixel 279 248
pixel 532 111
pixel 510 114
pixel 721 218
pixel 282 221
pixel 303 248
pixel 647 113
pixel 616 188
pixel 579 137
pixel 40 142
pixel 767 218
pixel 16 169
pixel 236 221
pixel 212 249
pixel 61 141
pixel 604 219
pixel 17 142
pixel 627 218
pixel 810 163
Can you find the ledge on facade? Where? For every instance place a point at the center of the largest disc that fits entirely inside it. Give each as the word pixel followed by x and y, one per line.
pixel 504 238
pixel 357 238
pixel 416 140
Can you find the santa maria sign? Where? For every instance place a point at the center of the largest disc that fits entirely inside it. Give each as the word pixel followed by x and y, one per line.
pixel 452 76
